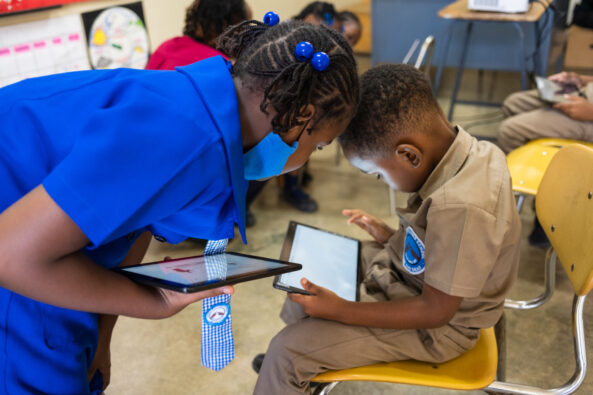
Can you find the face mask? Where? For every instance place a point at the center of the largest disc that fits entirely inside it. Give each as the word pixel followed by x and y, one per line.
pixel 267 158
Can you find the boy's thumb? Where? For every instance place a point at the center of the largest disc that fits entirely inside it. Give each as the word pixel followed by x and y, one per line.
pixel 308 285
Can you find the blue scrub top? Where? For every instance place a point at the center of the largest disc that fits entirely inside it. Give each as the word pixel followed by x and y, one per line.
pixel 120 151
pixel 125 150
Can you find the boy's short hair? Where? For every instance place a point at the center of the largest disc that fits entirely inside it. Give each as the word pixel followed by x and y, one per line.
pixel 395 99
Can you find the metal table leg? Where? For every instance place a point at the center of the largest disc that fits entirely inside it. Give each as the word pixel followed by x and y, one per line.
pixel 437 80
pixel 460 69
pixel 522 61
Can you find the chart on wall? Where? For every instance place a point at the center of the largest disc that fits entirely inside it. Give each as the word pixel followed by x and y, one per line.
pixel 54 45
pixel 117 37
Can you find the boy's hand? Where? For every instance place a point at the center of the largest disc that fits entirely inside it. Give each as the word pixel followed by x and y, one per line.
pixel 322 303
pixel 373 225
pixel 567 78
pixel 577 108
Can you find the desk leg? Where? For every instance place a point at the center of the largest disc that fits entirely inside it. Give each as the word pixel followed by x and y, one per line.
pixel 521 54
pixel 437 80
pixel 468 33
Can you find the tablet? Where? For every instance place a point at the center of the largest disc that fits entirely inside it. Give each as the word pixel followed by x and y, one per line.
pixel 199 273
pixel 553 92
pixel 329 260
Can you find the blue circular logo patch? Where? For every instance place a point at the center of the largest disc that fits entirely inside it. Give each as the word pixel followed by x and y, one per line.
pixel 217 314
pixel 413 260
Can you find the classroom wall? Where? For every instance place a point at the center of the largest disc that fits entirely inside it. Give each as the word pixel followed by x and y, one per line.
pixel 165 18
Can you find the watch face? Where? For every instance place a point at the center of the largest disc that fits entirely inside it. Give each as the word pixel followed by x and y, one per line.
pixel 118 38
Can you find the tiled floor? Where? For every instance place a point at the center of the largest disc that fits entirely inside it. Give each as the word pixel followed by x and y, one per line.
pixel 163 357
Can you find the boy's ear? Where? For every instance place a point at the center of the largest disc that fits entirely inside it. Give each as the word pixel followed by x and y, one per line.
pixel 409 153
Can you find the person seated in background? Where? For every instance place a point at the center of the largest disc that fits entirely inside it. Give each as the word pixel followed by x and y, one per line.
pixel 529 118
pixel 316 13
pixel 205 20
pixel 429 285
pixel 351 27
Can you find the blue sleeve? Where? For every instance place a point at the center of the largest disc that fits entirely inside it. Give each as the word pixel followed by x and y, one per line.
pixel 135 163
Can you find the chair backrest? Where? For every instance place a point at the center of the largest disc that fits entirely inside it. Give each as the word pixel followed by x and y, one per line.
pixel 564 206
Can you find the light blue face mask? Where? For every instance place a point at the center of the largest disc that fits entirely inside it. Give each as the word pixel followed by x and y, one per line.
pixel 267 158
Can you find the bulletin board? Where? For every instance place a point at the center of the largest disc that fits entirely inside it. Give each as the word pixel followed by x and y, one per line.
pixel 54 45
pixel 106 38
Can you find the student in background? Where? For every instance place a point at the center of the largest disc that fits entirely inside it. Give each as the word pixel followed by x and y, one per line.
pixel 351 27
pixel 316 13
pixel 529 118
pixel 205 20
pixel 428 285
pixel 95 162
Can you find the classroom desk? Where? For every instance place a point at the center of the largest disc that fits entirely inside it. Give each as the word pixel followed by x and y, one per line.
pixel 539 14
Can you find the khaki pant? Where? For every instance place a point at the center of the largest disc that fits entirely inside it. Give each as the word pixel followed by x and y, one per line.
pixel 529 118
pixel 309 346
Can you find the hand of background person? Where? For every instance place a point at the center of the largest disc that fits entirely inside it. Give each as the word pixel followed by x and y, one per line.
pixel 378 229
pixel 322 303
pixel 577 108
pixel 567 77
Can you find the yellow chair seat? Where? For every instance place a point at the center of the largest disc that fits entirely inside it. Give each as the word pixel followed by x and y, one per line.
pixel 528 163
pixel 473 370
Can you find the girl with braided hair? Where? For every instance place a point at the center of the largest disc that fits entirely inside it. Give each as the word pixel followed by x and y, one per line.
pixel 95 162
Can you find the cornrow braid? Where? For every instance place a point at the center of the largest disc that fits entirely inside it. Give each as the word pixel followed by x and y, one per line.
pixel 265 58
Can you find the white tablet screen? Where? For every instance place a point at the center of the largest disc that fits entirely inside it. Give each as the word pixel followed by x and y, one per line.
pixel 328 260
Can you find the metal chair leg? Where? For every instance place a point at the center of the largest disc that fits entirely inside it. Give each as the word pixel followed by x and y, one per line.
pixel 325 388
pixel 550 284
pixel 520 200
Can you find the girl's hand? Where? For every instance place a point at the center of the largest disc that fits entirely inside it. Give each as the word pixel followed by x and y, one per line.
pixel 373 225
pixel 577 108
pixel 322 303
pixel 567 78
pixel 173 302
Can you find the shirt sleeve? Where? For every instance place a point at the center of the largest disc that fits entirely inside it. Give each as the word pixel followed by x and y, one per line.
pixel 462 246
pixel 135 162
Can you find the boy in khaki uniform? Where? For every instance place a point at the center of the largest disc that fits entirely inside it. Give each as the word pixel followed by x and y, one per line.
pixel 429 285
pixel 529 118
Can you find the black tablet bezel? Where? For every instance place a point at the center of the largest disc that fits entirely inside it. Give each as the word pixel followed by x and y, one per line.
pixel 287 247
pixel 184 288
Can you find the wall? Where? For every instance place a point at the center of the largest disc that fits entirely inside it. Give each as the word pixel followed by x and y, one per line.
pixel 164 18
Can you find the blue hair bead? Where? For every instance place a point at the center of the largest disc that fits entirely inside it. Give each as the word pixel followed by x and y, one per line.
pixel 320 61
pixel 271 18
pixel 328 18
pixel 304 51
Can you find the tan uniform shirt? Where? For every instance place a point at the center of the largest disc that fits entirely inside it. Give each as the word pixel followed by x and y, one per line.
pixel 465 219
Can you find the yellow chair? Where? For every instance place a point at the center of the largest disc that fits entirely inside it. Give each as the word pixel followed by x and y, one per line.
pixel 527 165
pixel 564 206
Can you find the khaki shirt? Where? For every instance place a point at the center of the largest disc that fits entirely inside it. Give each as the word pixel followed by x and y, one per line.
pixel 468 225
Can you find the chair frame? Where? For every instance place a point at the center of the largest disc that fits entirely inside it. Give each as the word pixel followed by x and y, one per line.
pixel 550 284
pixel 579 344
